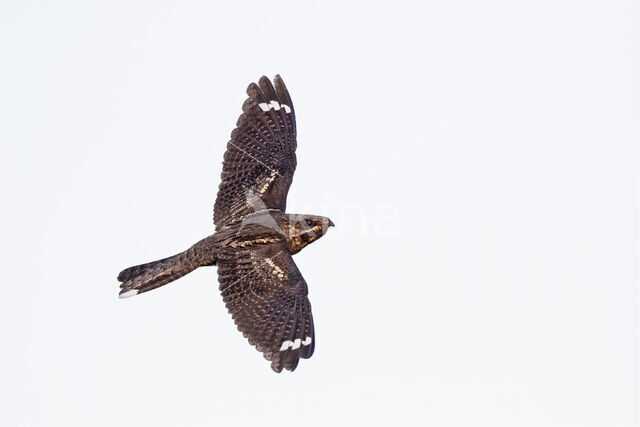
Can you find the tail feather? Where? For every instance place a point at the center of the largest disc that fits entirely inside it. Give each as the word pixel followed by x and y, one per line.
pixel 145 277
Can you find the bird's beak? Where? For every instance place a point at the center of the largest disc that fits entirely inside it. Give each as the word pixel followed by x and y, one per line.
pixel 326 224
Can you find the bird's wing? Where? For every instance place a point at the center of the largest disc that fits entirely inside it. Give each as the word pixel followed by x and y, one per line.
pixel 267 297
pixel 260 159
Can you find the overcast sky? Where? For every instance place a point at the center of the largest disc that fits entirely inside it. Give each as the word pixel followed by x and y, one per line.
pixel 479 159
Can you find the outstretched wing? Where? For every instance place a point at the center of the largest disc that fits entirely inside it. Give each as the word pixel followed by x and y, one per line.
pixel 267 297
pixel 260 159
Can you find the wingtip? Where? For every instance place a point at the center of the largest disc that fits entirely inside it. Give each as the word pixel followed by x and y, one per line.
pixel 277 80
pixel 276 366
pixel 255 93
pixel 264 79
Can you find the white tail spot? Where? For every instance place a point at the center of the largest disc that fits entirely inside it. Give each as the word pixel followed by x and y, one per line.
pixel 128 294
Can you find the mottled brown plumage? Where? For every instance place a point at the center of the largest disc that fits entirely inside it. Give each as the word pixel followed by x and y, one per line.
pixel 254 238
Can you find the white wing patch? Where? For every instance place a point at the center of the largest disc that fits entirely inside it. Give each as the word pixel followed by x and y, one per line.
pixel 295 344
pixel 266 106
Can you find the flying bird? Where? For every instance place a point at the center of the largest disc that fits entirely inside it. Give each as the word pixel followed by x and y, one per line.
pixel 254 239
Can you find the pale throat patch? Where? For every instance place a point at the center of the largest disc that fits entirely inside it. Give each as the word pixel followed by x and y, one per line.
pixel 294 345
pixel 275 105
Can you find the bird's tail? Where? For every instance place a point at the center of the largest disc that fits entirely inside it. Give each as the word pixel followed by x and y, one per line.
pixel 145 277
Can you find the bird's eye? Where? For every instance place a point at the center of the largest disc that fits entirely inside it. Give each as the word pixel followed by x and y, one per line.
pixel 308 222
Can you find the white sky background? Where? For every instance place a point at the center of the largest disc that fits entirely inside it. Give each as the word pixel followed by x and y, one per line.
pixel 480 161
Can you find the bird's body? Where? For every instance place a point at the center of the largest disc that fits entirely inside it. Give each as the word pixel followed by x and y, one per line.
pixel 254 237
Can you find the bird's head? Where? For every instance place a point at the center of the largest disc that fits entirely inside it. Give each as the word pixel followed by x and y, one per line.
pixel 304 229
